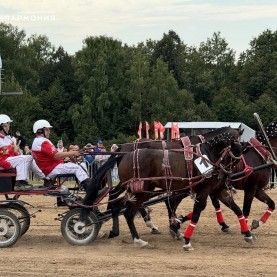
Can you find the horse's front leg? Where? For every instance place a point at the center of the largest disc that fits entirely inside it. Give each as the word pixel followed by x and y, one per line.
pixel 219 216
pixel 199 205
pixel 129 215
pixel 263 197
pixel 228 200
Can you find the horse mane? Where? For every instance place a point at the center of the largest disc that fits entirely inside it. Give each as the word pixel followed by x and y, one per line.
pixel 270 130
pixel 224 138
pixel 218 130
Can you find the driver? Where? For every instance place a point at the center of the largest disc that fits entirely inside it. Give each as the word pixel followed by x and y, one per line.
pixel 11 158
pixel 50 160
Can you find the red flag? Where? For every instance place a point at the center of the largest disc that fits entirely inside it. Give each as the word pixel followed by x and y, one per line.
pixel 172 131
pixel 147 128
pixel 139 130
pixel 157 126
pixel 175 132
pixel 162 130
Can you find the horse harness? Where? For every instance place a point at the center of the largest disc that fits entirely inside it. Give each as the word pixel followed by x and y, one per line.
pixel 136 184
pixel 243 166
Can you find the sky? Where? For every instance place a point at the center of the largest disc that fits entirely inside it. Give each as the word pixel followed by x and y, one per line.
pixel 67 23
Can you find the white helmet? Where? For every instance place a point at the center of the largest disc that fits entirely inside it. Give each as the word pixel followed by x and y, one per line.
pixel 40 124
pixel 4 119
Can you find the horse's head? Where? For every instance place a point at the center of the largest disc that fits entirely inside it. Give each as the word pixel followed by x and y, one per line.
pixel 226 151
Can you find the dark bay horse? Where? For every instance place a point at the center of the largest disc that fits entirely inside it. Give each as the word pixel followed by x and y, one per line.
pixel 166 171
pixel 254 184
pixel 173 202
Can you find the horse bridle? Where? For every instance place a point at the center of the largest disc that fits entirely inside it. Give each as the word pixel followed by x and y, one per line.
pixel 234 159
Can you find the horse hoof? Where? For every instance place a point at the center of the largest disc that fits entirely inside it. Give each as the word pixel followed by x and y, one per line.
pixel 140 243
pixel 109 235
pixel 155 231
pixel 175 235
pixel 188 247
pixel 227 230
pixel 249 239
pixel 255 224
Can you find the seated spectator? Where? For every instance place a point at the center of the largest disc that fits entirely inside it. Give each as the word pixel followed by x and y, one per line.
pixel 60 146
pixel 89 158
pixel 11 158
pixel 20 142
pixel 114 172
pixel 114 147
pixel 99 146
pixel 50 160
pixel 79 160
pixel 101 159
pixel 27 150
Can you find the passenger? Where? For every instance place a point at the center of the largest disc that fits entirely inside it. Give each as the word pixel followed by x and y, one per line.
pixel 11 158
pixel 49 160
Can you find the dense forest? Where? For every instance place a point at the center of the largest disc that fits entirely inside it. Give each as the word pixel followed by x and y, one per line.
pixel 106 88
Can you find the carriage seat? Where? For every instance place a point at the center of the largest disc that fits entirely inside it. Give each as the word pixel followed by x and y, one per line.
pixel 7 172
pixel 7 179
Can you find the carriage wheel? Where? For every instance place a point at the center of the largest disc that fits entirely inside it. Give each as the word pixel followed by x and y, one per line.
pixel 77 232
pixel 22 215
pixel 9 228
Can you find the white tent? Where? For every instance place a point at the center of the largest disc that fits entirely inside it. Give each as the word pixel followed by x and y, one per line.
pixel 194 128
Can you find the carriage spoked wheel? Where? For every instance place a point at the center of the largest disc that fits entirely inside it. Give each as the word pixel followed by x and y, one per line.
pixel 77 232
pixel 22 214
pixel 9 228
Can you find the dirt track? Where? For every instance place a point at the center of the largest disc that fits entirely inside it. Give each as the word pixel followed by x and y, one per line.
pixel 42 251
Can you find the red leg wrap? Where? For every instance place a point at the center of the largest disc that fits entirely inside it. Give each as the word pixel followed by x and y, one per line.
pixel 266 215
pixel 189 215
pixel 243 224
pixel 219 215
pixel 189 230
pixel 246 218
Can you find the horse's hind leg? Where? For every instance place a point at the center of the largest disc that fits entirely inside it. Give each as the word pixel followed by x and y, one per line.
pixel 224 227
pixel 148 222
pixel 115 207
pixel 129 215
pixel 174 223
pixel 263 197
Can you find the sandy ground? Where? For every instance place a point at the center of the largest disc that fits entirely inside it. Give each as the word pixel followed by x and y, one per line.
pixel 43 251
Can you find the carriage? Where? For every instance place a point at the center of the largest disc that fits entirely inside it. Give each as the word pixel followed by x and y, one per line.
pixel 15 219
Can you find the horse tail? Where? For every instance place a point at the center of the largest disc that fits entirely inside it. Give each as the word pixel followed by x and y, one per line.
pixel 95 185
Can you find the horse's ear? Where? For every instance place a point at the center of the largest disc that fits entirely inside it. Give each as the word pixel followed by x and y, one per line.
pixel 241 132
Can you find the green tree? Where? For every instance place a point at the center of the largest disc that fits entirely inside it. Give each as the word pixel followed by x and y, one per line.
pixel 219 68
pixel 227 106
pixel 173 52
pixel 258 66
